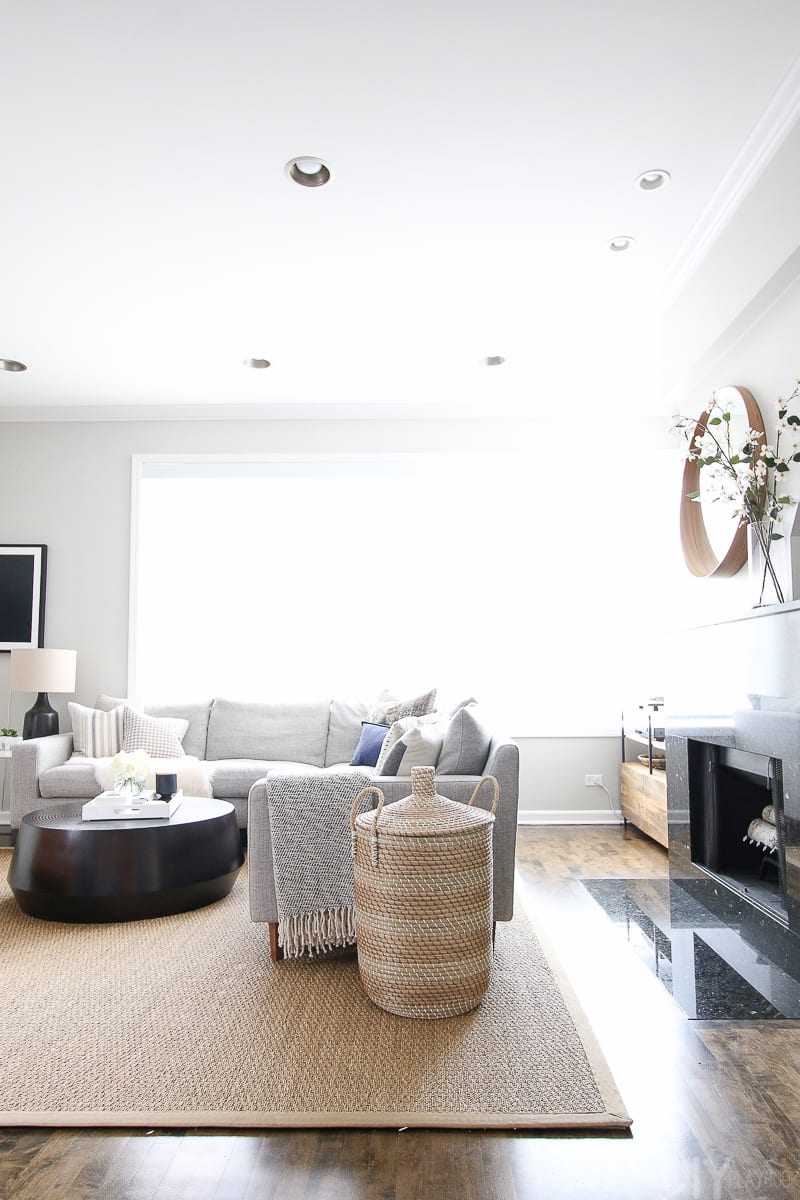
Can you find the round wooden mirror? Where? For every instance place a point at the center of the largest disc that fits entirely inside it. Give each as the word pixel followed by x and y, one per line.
pixel 721 549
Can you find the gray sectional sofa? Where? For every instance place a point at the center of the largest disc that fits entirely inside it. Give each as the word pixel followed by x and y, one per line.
pixel 241 742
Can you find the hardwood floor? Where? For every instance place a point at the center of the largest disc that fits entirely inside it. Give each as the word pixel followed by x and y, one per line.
pixel 716 1105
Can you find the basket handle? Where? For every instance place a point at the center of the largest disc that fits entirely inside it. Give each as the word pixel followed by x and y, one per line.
pixel 480 784
pixel 374 839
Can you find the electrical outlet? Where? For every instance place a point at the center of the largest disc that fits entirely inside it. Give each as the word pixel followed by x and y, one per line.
pixel 593 780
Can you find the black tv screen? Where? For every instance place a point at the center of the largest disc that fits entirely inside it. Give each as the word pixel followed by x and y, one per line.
pixel 22 587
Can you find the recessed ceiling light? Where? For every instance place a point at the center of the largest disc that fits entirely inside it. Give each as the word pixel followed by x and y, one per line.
pixel 257 362
pixel 493 360
pixel 308 171
pixel 622 242
pixel 11 364
pixel 651 181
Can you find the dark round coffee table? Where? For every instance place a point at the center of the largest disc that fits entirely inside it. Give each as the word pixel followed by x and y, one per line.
pixel 67 869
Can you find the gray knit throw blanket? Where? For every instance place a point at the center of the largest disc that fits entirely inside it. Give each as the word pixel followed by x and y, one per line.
pixel 312 859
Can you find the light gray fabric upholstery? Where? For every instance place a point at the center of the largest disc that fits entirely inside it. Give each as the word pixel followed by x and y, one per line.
pixel 235 776
pixel 466 745
pixel 41 766
pixel 291 732
pixel 28 761
pixel 344 729
pixel 73 778
pixel 502 762
pixel 260 867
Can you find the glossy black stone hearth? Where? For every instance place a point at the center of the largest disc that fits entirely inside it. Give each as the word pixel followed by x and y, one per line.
pixel 703 957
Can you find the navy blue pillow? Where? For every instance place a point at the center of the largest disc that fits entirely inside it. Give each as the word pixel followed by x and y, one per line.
pixel 369 744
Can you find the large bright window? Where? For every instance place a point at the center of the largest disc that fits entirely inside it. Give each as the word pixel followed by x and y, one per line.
pixel 496 576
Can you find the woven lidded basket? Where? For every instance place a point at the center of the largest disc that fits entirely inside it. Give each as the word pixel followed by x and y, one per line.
pixel 423 899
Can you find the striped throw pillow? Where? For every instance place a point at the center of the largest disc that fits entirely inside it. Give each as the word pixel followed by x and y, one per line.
pixel 160 737
pixel 96 733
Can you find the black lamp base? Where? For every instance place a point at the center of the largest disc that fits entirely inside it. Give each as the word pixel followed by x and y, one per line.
pixel 41 720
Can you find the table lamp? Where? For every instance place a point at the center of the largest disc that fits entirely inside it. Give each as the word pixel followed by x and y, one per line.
pixel 42 671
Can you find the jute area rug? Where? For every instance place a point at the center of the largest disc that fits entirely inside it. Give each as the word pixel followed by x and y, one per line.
pixel 185 1021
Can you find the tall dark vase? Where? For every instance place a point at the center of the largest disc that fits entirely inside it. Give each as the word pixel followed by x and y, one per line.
pixel 41 720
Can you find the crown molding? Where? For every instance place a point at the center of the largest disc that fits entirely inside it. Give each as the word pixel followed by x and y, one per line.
pixel 300 411
pixel 762 144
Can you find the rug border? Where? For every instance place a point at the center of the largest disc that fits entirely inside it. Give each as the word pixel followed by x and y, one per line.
pixel 615 1117
pixel 616 1112
pixel 301 1120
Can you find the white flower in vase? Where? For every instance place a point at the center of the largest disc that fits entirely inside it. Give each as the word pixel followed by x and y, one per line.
pixel 130 771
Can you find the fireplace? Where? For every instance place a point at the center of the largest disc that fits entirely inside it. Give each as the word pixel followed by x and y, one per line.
pixel 736 823
pixel 733 760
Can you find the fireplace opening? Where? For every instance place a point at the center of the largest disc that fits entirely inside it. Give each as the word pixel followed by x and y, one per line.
pixel 736 822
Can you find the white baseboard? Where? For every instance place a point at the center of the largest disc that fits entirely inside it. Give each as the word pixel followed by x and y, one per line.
pixel 567 816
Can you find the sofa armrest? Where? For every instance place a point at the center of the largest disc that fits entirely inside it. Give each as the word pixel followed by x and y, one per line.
pixel 260 871
pixel 28 761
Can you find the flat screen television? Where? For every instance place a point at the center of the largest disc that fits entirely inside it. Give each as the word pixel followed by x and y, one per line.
pixel 23 571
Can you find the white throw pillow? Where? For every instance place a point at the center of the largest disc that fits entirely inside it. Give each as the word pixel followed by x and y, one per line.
pixel 398 729
pixel 420 747
pixel 160 737
pixel 96 733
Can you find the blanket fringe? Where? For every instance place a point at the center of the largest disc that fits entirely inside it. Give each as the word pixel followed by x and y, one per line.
pixel 315 932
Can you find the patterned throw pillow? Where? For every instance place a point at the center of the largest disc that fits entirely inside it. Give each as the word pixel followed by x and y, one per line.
pixel 96 733
pixel 388 709
pixel 160 737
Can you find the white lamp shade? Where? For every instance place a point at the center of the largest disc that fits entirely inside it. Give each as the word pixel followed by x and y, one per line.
pixel 43 670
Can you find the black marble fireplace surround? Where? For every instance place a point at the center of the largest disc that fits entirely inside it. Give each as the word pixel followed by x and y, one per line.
pixel 721 771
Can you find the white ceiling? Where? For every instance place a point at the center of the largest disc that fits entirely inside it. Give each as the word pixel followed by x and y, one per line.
pixel 483 156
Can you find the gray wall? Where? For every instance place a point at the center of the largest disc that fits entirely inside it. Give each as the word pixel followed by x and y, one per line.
pixel 68 485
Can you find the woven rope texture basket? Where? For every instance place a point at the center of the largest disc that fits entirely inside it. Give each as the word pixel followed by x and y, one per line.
pixel 423 898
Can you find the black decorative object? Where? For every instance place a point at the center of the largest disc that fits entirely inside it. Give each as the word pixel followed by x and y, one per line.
pixel 166 786
pixel 23 574
pixel 41 720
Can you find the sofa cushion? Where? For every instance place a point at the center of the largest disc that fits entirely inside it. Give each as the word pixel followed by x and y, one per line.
pixel 232 778
pixel 290 732
pixel 96 733
pixel 74 779
pixel 466 745
pixel 344 729
pixel 197 714
pixel 194 740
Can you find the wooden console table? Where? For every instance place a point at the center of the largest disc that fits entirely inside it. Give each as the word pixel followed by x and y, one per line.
pixel 643 799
